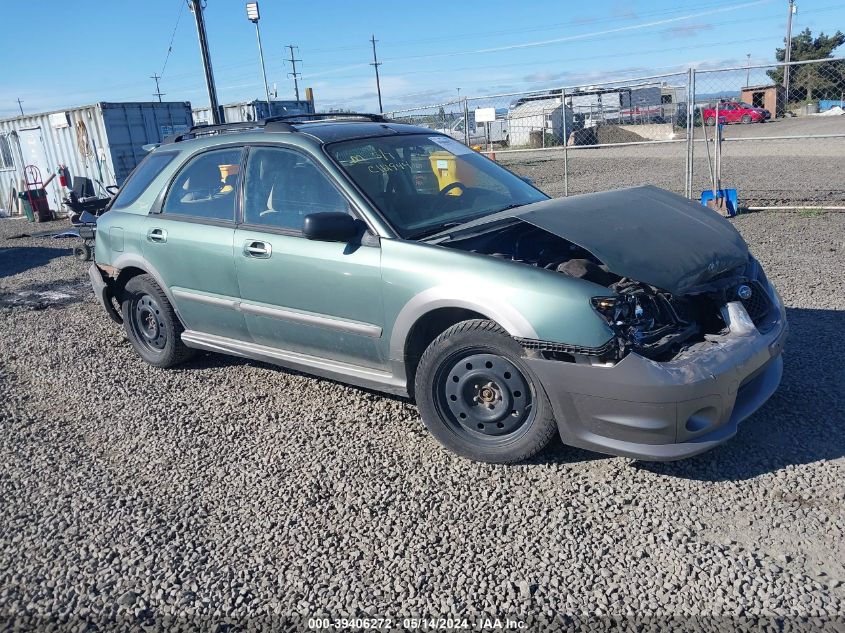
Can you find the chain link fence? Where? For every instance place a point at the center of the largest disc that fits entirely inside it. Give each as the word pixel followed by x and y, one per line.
pixel 781 147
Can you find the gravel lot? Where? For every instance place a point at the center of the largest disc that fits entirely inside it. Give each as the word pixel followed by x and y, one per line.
pixel 805 172
pixel 229 494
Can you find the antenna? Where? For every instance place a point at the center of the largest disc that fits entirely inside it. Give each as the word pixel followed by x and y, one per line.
pixel 376 63
pixel 158 93
pixel 294 74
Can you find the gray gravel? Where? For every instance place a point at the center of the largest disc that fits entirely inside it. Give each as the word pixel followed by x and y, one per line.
pixel 230 492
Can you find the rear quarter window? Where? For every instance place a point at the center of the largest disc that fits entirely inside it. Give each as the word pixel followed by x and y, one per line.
pixel 141 178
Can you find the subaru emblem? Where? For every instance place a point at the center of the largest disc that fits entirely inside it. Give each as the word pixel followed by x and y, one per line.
pixel 744 292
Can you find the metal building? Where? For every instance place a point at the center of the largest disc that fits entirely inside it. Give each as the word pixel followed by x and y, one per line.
pixel 254 110
pixel 103 142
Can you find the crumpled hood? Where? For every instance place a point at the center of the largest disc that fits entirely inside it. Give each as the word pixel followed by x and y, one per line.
pixel 646 234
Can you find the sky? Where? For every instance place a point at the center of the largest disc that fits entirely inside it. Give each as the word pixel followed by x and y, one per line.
pixel 75 53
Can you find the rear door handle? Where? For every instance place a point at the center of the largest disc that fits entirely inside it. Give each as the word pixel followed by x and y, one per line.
pixel 257 249
pixel 157 235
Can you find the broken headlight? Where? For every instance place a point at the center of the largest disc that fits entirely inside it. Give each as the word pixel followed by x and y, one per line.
pixel 644 321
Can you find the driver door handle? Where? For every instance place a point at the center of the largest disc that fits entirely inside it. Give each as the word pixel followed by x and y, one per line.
pixel 258 249
pixel 157 235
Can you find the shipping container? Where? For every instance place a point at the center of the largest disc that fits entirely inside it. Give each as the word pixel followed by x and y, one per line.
pixel 102 142
pixel 246 111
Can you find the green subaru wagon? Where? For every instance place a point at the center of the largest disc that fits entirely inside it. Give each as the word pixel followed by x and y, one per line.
pixel 632 322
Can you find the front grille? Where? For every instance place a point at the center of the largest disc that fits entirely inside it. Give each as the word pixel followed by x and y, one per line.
pixel 758 304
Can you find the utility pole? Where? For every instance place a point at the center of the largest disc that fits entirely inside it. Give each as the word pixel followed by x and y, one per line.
pixel 294 74
pixel 376 64
pixel 20 106
pixel 788 53
pixel 158 93
pixel 216 113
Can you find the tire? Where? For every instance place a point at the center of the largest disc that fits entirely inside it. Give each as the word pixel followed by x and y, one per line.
pixel 82 253
pixel 479 399
pixel 746 119
pixel 151 323
pixel 711 120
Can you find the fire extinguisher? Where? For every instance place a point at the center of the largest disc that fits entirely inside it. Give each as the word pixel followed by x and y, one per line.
pixel 64 175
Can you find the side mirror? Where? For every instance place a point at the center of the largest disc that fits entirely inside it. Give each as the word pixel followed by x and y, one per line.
pixel 330 227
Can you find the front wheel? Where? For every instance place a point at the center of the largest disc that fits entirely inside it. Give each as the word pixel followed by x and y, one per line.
pixel 479 399
pixel 151 323
pixel 711 120
pixel 746 119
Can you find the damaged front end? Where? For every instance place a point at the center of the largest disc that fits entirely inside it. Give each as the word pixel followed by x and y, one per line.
pixel 659 326
pixel 646 319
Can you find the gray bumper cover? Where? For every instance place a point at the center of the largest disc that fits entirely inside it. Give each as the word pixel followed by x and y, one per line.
pixel 666 411
pixel 102 292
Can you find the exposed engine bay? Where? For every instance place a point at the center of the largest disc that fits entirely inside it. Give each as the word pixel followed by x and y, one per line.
pixel 646 320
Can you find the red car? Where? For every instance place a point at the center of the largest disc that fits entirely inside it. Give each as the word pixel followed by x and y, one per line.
pixel 736 112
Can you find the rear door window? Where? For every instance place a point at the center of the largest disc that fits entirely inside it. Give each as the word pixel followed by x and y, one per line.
pixel 141 177
pixel 207 187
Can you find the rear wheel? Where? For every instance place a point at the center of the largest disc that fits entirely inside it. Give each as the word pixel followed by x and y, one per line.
pixel 479 399
pixel 746 119
pixel 151 323
pixel 711 120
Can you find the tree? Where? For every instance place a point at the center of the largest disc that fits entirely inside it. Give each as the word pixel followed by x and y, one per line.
pixel 812 81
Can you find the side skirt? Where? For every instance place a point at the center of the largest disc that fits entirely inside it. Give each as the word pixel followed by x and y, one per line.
pixel 335 370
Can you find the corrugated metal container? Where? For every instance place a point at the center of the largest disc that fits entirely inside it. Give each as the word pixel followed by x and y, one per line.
pixel 254 111
pixel 102 141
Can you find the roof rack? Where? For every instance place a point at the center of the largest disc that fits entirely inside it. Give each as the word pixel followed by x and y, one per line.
pixel 271 124
pixel 331 116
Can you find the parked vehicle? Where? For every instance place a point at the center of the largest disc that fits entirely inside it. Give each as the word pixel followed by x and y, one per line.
pixel 736 112
pixel 632 322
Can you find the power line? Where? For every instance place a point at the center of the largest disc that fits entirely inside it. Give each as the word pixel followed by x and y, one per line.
pixel 182 4
pixel 294 74
pixel 158 93
pixel 20 106
pixel 375 64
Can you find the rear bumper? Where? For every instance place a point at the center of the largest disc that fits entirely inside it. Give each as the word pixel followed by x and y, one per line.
pixel 103 292
pixel 665 411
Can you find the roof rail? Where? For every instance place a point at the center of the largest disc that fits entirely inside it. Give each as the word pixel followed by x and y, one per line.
pixel 330 116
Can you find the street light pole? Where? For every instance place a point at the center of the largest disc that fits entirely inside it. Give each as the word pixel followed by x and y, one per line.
pixel 747 69
pixel 788 52
pixel 254 17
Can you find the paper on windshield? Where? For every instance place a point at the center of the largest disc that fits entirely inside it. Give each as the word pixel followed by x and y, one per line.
pixel 450 144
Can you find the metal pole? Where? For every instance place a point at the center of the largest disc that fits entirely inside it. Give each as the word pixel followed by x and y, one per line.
pixel 375 65
pixel 690 131
pixel 565 145
pixel 216 112
pixel 263 71
pixel 466 121
pixel 788 53
pixel 20 106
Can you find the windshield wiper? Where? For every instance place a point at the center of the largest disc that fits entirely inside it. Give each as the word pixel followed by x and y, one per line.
pixel 432 230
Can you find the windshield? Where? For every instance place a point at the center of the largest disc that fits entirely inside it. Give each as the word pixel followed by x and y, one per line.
pixel 423 183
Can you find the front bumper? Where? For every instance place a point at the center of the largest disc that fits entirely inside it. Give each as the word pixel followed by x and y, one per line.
pixel 666 411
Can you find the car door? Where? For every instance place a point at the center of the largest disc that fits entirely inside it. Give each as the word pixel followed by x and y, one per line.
pixel 188 242
pixel 318 298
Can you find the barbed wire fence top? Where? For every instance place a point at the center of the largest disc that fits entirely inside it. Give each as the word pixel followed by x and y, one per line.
pixel 781 146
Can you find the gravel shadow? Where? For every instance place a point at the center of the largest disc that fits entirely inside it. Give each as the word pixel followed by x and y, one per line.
pixel 20 259
pixel 802 422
